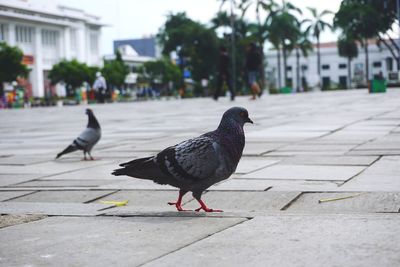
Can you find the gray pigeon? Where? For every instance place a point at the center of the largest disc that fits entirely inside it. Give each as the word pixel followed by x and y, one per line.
pixel 195 164
pixel 87 139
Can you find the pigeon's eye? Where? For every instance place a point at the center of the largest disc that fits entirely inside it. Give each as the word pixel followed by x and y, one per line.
pixel 243 114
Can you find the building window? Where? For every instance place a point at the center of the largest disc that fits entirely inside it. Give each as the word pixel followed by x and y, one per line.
pixel 342 82
pixel 49 38
pixel 326 83
pixel 24 34
pixel 389 63
pixel 304 67
pixel 3 32
pixel 326 67
pixel 342 66
pixel 289 68
pixel 377 64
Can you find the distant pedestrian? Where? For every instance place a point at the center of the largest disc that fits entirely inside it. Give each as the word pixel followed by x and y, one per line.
pixel 223 74
pixel 100 86
pixel 253 65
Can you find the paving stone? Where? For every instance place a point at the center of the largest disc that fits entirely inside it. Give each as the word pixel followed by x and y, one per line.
pixel 145 200
pixel 53 167
pixel 22 160
pixel 103 241
pixel 6 195
pixel 100 172
pixel 63 183
pixel 246 201
pixel 254 148
pixel 315 147
pixel 9 220
pixel 364 202
pixel 330 160
pixel 383 175
pixel 306 172
pixel 133 183
pixel 10 179
pixel 376 152
pixel 249 164
pixel 304 153
pixel 235 184
pixel 59 209
pixel 297 240
pixel 67 196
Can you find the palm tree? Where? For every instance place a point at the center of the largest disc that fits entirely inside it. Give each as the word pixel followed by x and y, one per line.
pixel 302 46
pixel 347 47
pixel 283 31
pixel 316 26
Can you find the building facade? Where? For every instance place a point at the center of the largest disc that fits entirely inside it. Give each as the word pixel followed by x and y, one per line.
pixel 334 69
pixel 48 33
pixel 132 59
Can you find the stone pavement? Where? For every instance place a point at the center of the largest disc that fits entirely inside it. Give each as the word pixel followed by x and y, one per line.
pixel 319 185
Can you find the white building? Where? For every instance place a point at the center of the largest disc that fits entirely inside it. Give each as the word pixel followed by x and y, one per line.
pixel 132 59
pixel 47 33
pixel 334 72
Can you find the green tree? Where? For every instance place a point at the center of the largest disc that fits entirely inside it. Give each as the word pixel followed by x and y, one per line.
pixel 302 46
pixel 347 47
pixel 73 73
pixel 115 71
pixel 283 33
pixel 315 27
pixel 366 19
pixel 194 42
pixel 11 66
pixel 162 70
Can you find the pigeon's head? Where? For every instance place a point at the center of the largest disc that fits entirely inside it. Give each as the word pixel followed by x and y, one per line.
pixel 237 114
pixel 89 111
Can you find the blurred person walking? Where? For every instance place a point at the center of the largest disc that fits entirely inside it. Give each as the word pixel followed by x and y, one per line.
pixel 223 74
pixel 100 86
pixel 253 65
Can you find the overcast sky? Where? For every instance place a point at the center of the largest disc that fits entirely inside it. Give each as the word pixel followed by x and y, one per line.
pixel 138 18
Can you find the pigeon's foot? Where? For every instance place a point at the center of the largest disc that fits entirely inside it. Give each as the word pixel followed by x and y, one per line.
pixel 178 206
pixel 205 208
pixel 208 210
pixel 178 203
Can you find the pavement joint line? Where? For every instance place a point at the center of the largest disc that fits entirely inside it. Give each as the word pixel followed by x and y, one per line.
pixel 264 167
pixel 24 195
pixel 354 176
pixel 292 201
pixel 191 243
pixel 75 170
pixel 99 197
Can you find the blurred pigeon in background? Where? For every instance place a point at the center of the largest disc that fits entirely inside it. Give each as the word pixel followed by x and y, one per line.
pixel 87 139
pixel 195 164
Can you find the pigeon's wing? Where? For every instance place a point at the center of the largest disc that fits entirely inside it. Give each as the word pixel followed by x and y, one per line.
pixel 88 138
pixel 194 159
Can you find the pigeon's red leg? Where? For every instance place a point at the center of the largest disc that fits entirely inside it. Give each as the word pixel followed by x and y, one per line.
pixel 178 203
pixel 205 208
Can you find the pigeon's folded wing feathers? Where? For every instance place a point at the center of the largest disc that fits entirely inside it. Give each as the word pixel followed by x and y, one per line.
pixel 194 159
pixel 88 138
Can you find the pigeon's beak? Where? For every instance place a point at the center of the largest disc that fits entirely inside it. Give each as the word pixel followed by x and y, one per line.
pixel 249 120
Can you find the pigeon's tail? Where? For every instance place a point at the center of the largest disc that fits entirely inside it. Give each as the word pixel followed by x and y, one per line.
pixel 143 168
pixel 69 149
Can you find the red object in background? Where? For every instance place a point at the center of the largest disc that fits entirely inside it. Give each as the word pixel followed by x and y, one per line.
pixel 26 84
pixel 92 95
pixel 28 60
